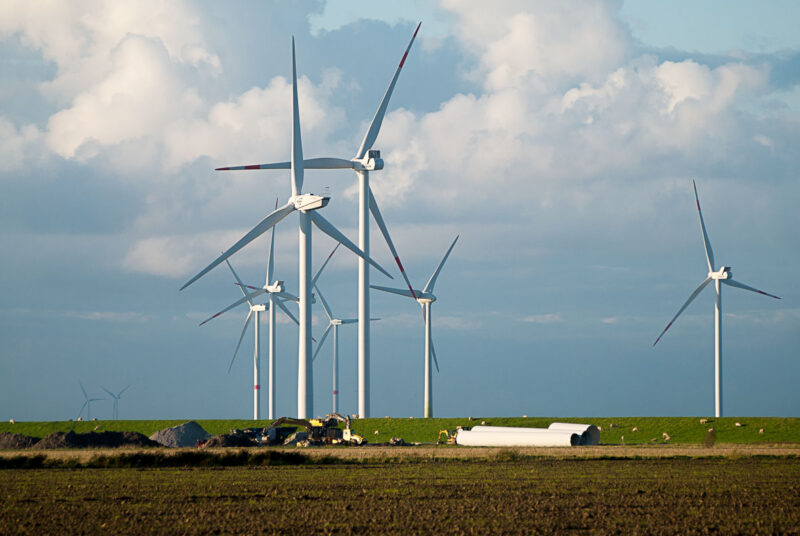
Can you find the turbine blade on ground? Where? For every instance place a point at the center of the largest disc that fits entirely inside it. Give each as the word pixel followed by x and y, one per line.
pixel 400 291
pixel 376 213
pixel 239 281
pixel 297 142
pixel 327 227
pixel 240 301
pixel 685 305
pixel 432 280
pixel 375 125
pixel 736 284
pixel 321 341
pixel 324 264
pixel 706 242
pixel 238 344
pixel 263 226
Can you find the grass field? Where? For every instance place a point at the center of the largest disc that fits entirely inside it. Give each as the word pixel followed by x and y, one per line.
pixel 682 430
pixel 505 494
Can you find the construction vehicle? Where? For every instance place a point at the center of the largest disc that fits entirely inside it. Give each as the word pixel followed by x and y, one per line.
pixel 449 437
pixel 318 431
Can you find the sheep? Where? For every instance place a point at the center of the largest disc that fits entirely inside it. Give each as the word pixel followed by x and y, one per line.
pixel 525 416
pixel 622 439
pixel 599 428
pixel 710 429
pixel 612 425
pixel 666 437
pixel 760 430
pixel 80 419
pixel 377 432
pixel 469 418
pixel 12 421
pixel 703 421
pixel 483 423
pixel 635 429
pixel 737 425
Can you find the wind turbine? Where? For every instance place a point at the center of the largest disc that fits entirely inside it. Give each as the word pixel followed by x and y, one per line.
pixel 116 399
pixel 365 160
pixel 307 205
pixel 720 277
pixel 88 403
pixel 276 295
pixel 333 322
pixel 425 298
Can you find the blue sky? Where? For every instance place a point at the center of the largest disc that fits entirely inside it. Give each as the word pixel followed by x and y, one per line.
pixel 559 140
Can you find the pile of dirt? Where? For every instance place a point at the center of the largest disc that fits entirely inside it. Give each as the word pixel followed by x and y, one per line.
pixel 184 435
pixel 16 441
pixel 71 440
pixel 230 440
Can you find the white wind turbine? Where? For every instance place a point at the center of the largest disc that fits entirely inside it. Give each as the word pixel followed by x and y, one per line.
pixel 721 276
pixel 306 205
pixel 425 298
pixel 88 403
pixel 116 398
pixel 333 322
pixel 365 160
pixel 276 295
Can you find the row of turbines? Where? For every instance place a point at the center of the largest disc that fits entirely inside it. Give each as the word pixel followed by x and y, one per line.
pixel 87 403
pixel 308 205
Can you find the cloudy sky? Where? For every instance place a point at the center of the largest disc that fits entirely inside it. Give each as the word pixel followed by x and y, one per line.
pixel 558 140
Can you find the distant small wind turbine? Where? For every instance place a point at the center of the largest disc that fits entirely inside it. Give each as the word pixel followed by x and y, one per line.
pixel 116 400
pixel 721 276
pixel 88 403
pixel 333 322
pixel 425 298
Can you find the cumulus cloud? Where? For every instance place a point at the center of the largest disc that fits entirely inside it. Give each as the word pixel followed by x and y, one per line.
pixel 17 145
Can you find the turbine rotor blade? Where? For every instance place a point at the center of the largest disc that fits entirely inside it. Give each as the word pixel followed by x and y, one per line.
pixel 321 341
pixel 400 291
pixel 234 304
pixel 286 296
pixel 325 305
pixel 736 284
pixel 126 388
pixel 271 255
pixel 238 344
pixel 706 242
pixel 85 395
pixel 109 392
pixel 239 281
pixel 81 410
pixel 433 355
pixel 375 125
pixel 327 227
pixel 278 165
pixel 287 311
pixel 685 305
pixel 264 225
pixel 376 213
pixel 311 163
pixel 297 142
pixel 324 264
pixel 432 280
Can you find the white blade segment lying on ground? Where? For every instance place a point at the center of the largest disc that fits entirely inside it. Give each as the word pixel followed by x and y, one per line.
pixel 327 227
pixel 706 242
pixel 685 305
pixel 432 280
pixel 262 227
pixel 375 125
pixel 238 344
pixel 736 284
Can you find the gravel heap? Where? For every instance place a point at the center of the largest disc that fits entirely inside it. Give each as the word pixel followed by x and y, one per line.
pixel 184 435
pixel 71 440
pixel 16 441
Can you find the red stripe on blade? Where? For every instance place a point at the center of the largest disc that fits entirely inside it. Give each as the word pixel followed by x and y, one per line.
pixel 403 60
pixel 252 167
pixel 256 387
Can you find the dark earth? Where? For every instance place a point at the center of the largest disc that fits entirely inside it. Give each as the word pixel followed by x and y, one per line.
pixel 502 495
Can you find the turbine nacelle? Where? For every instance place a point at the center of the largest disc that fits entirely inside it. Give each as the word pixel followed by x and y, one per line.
pixel 426 297
pixel 723 273
pixel 309 202
pixel 258 308
pixel 277 286
pixel 371 162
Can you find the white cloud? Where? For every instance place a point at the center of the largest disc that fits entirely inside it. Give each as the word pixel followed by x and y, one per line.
pixel 547 318
pixel 17 145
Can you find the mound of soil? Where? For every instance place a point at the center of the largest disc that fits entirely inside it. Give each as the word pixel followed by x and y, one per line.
pixel 230 440
pixel 71 440
pixel 16 441
pixel 184 435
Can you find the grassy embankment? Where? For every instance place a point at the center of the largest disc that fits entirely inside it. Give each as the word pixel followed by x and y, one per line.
pixel 682 430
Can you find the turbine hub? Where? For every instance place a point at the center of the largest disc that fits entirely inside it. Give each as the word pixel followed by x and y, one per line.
pixel 277 286
pixel 371 162
pixel 723 273
pixel 309 202
pixel 426 298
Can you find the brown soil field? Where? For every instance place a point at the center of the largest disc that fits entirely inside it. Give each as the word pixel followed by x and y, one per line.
pixel 505 493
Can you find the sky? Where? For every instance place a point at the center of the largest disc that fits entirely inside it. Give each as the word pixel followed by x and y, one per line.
pixel 558 140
